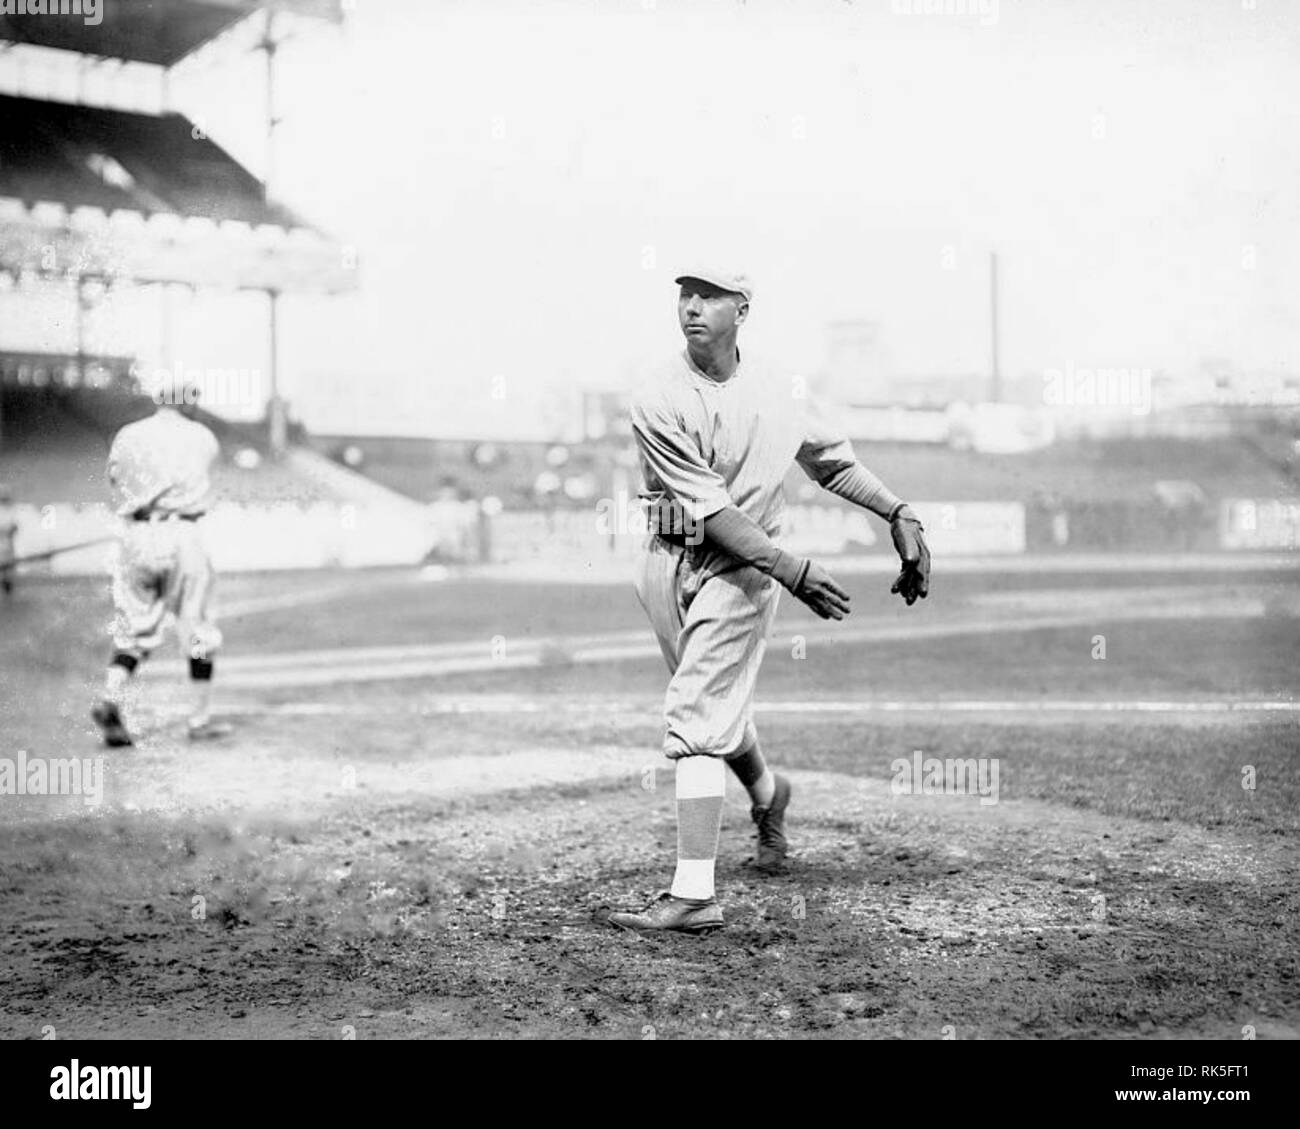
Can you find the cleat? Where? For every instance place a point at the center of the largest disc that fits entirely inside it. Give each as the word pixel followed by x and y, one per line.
pixel 210 730
pixel 770 820
pixel 109 719
pixel 669 914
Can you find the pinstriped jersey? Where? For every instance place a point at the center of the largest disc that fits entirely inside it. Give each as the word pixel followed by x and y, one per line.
pixel 708 445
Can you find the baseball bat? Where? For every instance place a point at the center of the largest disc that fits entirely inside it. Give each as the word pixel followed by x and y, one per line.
pixel 48 553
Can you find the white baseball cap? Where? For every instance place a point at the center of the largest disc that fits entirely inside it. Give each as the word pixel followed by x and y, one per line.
pixel 733 281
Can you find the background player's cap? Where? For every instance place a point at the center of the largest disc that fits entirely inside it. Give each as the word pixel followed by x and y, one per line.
pixel 734 281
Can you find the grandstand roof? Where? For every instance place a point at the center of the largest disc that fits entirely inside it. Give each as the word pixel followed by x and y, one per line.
pixel 161 32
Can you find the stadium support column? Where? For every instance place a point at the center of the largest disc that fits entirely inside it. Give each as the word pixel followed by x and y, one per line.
pixel 166 350
pixel 276 423
pixel 995 389
pixel 277 427
pixel 81 328
pixel 268 46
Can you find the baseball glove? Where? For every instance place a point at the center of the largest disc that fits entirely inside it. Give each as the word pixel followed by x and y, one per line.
pixel 908 533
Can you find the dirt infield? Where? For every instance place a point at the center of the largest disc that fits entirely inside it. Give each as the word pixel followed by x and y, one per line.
pixel 433 857
pixel 476 911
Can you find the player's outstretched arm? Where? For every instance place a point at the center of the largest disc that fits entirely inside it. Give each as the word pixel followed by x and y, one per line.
pixel 858 485
pixel 827 457
pixel 854 483
pixel 745 540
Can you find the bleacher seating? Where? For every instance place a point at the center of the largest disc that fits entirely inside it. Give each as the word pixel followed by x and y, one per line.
pixel 1111 470
pixel 51 151
pixel 46 452
pixel 422 468
pixel 54 444
pixel 1097 472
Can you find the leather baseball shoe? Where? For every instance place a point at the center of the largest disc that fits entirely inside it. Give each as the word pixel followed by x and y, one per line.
pixel 109 719
pixel 770 820
pixel 669 914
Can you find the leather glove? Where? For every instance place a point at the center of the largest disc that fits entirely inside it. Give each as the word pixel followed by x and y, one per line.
pixel 908 533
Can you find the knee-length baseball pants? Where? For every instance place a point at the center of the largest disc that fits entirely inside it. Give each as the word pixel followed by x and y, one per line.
pixel 163 573
pixel 711 616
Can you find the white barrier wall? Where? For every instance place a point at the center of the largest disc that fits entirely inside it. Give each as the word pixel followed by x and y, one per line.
pixel 43 529
pixel 242 537
pixel 1255 523
pixel 956 529
pixel 952 528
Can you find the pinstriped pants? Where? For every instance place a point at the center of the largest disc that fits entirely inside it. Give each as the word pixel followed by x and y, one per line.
pixel 711 616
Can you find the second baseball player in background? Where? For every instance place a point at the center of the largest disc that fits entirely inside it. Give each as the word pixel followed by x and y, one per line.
pixel 716 435
pixel 160 469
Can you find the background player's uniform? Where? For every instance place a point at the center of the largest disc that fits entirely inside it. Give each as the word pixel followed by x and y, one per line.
pixel 8 532
pixel 706 445
pixel 160 472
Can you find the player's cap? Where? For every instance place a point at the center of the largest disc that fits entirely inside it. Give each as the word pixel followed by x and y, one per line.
pixel 732 281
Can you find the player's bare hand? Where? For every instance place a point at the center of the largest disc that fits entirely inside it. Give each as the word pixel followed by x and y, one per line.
pixel 820 592
pixel 908 534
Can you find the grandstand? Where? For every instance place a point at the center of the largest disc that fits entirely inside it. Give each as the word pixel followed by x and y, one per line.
pixel 95 198
pixel 425 469
pixel 57 440
pixel 158 32
pixel 1079 471
pixel 1117 493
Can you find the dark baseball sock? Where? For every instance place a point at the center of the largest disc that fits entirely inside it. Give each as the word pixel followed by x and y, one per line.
pixel 752 771
pixel 200 691
pixel 120 668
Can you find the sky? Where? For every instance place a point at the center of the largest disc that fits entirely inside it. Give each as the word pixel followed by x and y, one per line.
pixel 522 181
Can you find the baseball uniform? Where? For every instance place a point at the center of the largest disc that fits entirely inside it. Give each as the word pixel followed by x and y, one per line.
pixel 8 533
pixel 703 446
pixel 159 469
pixel 714 456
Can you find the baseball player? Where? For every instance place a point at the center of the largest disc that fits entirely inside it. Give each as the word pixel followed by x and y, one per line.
pixel 159 470
pixel 716 435
pixel 8 531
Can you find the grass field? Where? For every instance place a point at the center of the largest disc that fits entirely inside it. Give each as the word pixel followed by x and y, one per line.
pixel 438 786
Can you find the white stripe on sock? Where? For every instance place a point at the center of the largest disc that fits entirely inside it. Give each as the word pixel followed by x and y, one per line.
pixel 699 777
pixel 694 877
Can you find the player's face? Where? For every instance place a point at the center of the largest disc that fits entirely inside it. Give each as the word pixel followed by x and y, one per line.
pixel 708 314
